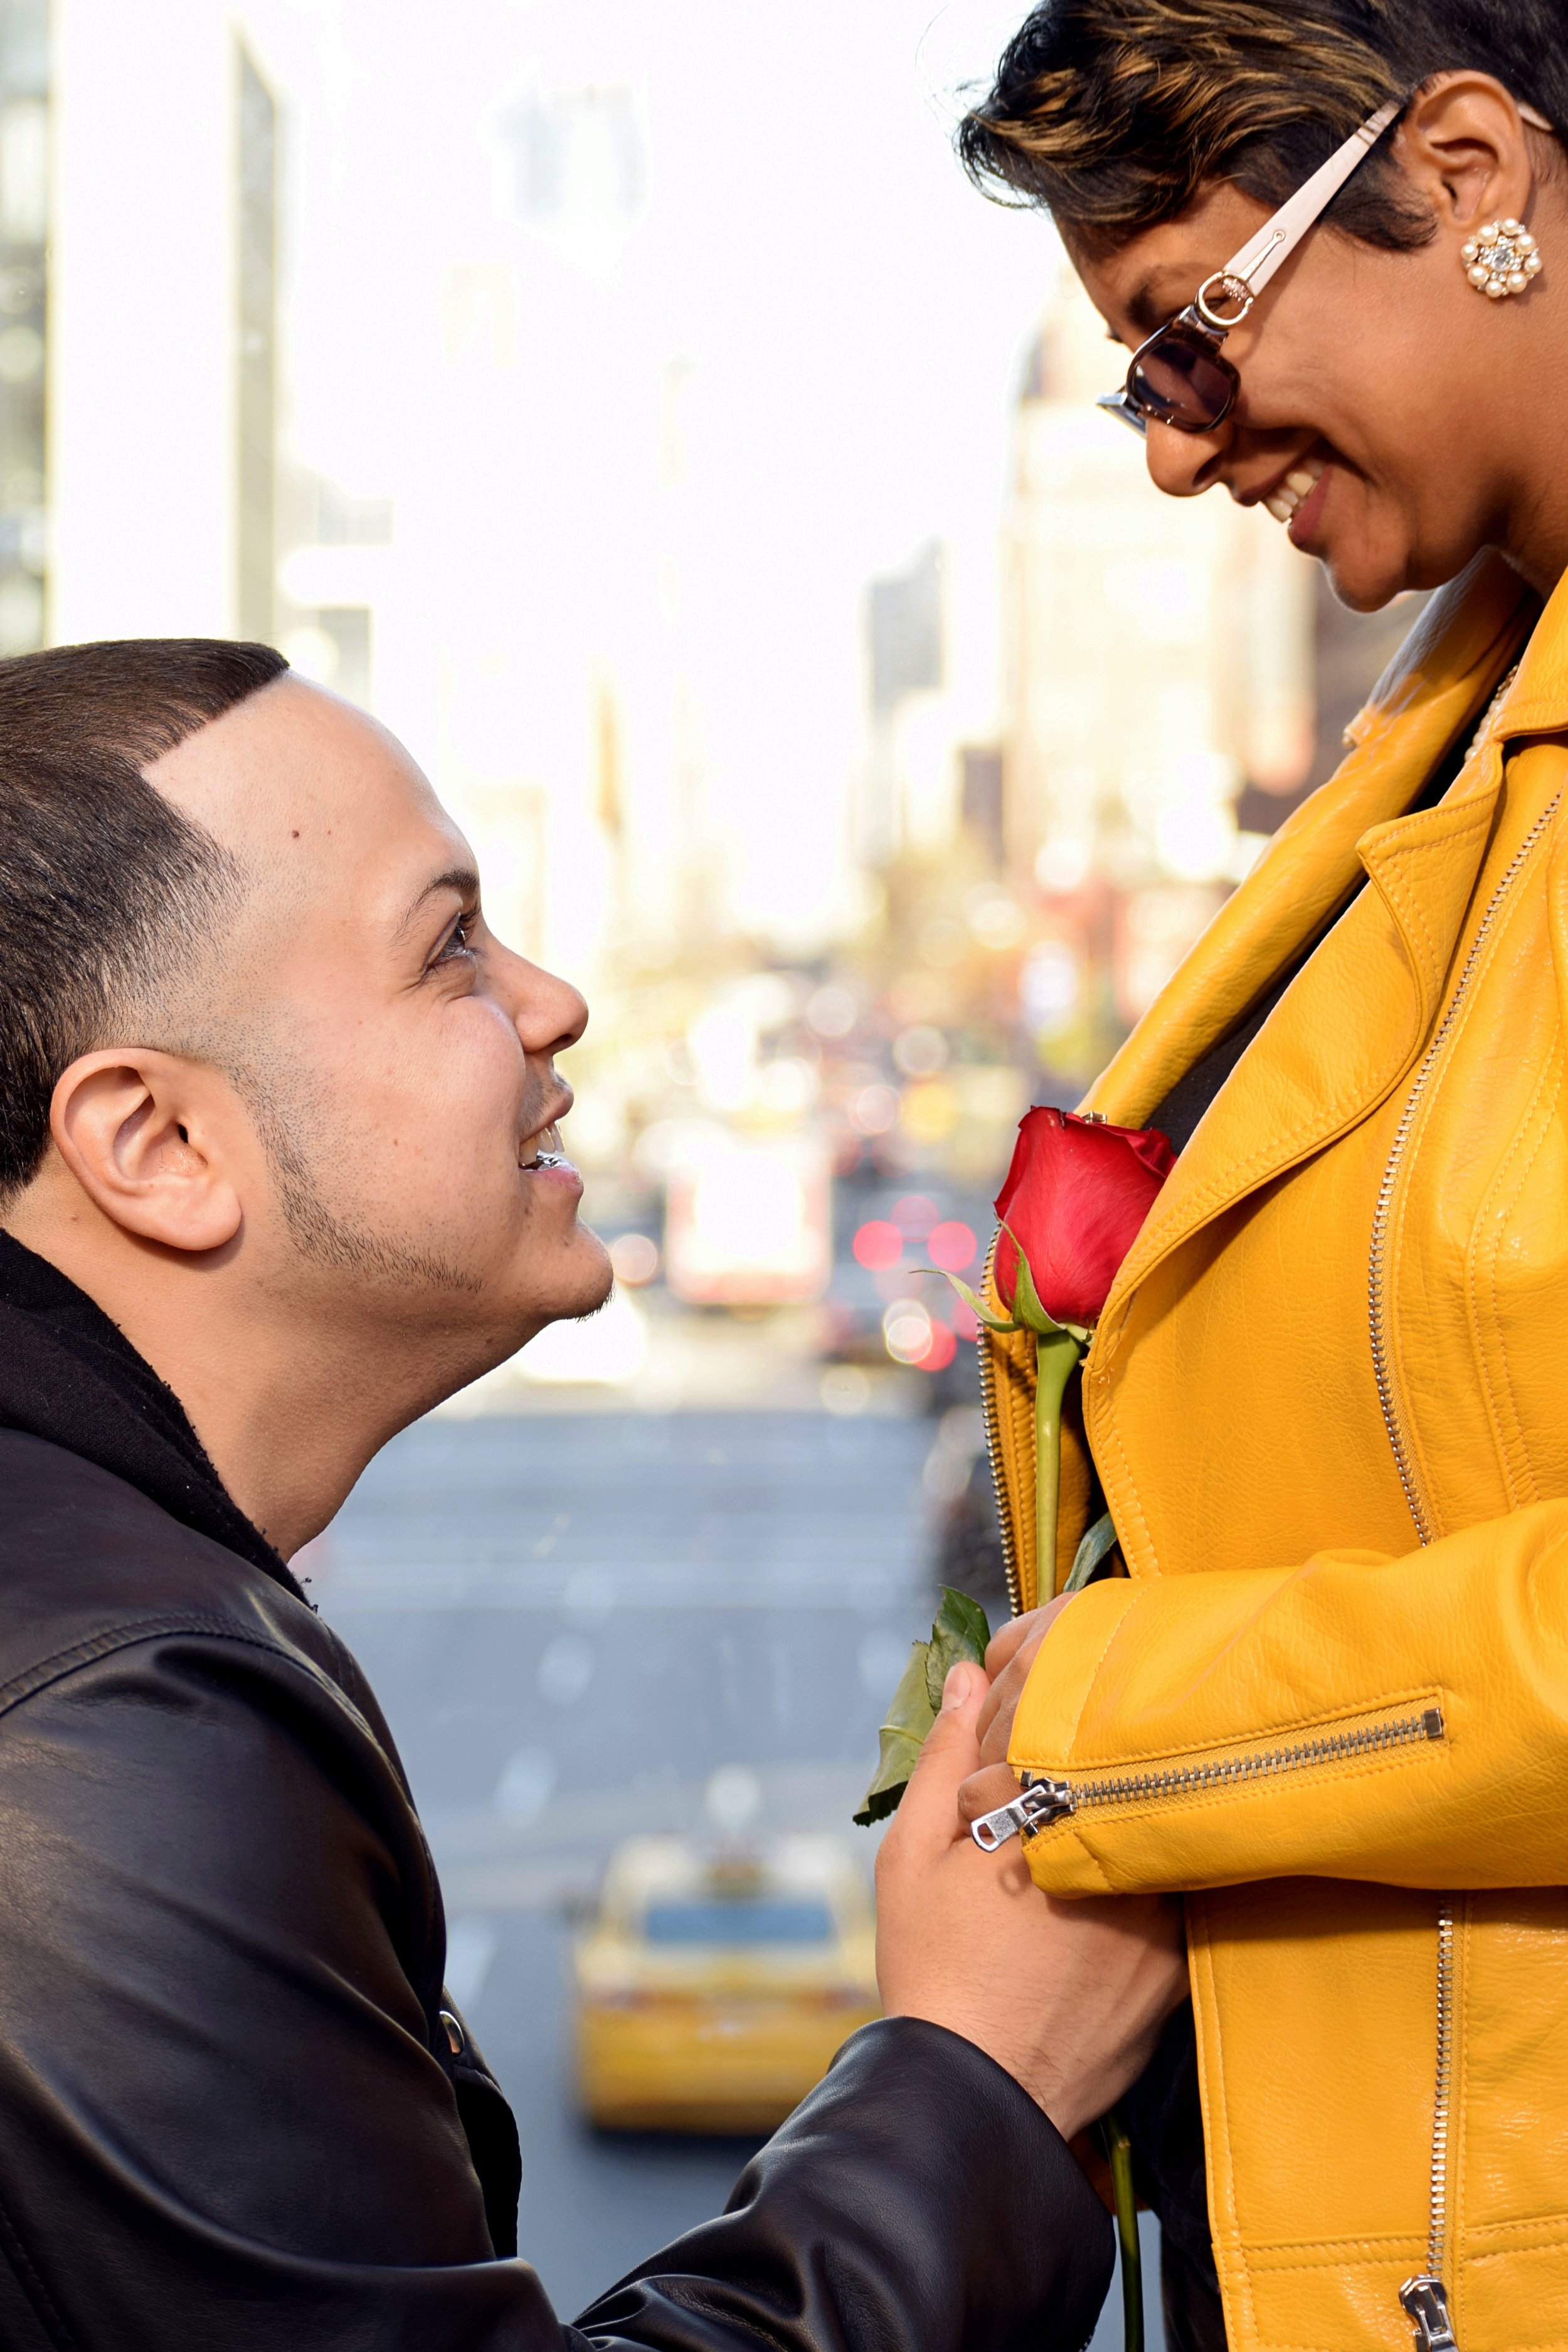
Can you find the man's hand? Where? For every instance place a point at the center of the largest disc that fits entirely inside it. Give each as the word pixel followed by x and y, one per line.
pixel 1008 1659
pixel 1069 1997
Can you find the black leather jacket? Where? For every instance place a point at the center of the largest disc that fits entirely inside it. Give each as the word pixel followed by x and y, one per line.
pixel 230 2113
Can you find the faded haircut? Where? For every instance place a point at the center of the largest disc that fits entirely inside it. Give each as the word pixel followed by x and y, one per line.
pixel 1111 114
pixel 110 897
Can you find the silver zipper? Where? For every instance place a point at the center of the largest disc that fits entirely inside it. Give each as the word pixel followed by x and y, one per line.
pixel 987 1360
pixel 1427 2305
pixel 1377 1266
pixel 1425 2297
pixel 1043 1801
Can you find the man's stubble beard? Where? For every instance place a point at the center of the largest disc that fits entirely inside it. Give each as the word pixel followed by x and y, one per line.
pixel 324 1237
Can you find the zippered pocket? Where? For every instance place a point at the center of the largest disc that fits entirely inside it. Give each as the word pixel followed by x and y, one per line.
pixel 1043 1801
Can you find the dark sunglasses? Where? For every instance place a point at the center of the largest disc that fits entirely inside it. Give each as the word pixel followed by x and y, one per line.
pixel 1180 376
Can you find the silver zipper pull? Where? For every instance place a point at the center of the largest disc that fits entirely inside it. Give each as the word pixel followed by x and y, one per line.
pixel 1427 2301
pixel 1036 1806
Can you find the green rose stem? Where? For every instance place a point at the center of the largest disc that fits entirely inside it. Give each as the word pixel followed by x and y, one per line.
pixel 1057 1348
pixel 1056 1353
pixel 1120 2149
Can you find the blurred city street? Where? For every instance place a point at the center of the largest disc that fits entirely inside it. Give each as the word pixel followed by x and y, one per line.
pixel 575 1620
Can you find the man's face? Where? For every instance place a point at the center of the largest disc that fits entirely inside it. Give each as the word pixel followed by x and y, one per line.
pixel 395 1060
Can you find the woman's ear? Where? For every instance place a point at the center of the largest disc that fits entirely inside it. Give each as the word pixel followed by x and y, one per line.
pixel 1464 145
pixel 137 1130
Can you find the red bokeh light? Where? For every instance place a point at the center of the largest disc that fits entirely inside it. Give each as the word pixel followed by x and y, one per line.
pixel 963 1322
pixel 915 1215
pixel 878 1245
pixel 943 1348
pixel 953 1247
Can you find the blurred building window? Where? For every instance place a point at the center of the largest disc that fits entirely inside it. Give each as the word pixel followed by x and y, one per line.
pixel 24 170
pixel 257 276
pixel 905 622
pixel 343 521
pixel 23 287
pixel 574 160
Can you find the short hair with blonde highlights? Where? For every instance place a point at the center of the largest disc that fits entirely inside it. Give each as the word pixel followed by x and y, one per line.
pixel 1111 114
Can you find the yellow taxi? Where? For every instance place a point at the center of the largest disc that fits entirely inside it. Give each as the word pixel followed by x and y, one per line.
pixel 715 1986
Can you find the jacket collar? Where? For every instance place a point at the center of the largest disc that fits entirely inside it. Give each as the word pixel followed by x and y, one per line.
pixel 1436 685
pixel 1323 1072
pixel 70 1375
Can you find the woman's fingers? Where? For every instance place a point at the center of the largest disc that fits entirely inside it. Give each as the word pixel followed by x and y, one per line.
pixel 1007 1639
pixel 982 1791
pixel 1009 1675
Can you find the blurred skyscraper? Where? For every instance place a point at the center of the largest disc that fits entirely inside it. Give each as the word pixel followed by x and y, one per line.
pixel 906 644
pixel 1159 661
pixel 256 357
pixel 24 231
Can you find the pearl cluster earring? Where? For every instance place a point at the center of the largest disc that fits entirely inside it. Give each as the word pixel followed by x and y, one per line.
pixel 1501 258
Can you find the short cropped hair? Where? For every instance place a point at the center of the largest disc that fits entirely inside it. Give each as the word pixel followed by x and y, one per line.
pixel 1111 114
pixel 108 894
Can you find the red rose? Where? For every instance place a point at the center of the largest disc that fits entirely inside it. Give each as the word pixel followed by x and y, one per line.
pixel 1074 1198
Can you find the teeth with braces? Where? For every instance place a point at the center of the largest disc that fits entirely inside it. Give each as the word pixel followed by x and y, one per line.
pixel 1298 484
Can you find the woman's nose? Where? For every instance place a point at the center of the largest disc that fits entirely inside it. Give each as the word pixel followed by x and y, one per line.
pixel 1184 465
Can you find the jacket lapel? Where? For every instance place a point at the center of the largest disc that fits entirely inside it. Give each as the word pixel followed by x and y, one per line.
pixel 1357 1015
pixel 1438 682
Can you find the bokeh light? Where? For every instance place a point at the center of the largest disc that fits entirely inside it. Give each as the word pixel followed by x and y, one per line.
pixel 952 1246
pixel 877 1245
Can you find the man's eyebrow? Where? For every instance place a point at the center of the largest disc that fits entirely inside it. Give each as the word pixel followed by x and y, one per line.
pixel 461 878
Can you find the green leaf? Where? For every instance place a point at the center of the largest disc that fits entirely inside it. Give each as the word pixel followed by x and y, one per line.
pixel 960 1631
pixel 902 1736
pixel 1027 1304
pixel 1099 1539
pixel 976 1304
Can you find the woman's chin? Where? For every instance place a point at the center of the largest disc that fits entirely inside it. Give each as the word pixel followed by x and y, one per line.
pixel 1364 581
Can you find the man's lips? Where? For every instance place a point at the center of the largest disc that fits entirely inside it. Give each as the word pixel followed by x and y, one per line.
pixel 542 1155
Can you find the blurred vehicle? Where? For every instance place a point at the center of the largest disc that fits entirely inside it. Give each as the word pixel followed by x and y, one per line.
pixel 749 1220
pixel 886 1304
pixel 715 1987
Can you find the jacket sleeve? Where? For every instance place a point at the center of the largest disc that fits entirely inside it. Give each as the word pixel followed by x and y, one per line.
pixel 917 2197
pixel 224 2124
pixel 1399 1720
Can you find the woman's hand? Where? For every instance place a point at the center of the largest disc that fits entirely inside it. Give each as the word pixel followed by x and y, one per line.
pixel 1069 1997
pixel 1011 1654
pixel 1008 1659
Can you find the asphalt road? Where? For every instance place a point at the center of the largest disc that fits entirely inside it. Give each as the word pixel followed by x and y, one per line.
pixel 573 1622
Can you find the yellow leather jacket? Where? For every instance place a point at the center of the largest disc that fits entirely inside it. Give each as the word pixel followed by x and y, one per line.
pixel 1328 1402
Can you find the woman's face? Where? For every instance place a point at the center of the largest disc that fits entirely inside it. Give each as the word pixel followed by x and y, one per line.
pixel 1390 417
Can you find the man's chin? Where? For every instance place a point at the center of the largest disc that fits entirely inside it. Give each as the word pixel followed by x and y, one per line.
pixel 582 1286
pixel 580 1281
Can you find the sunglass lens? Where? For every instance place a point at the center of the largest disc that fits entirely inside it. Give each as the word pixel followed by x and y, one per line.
pixel 1180 379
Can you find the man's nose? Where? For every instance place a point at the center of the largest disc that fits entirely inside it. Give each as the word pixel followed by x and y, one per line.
pixel 549 1013
pixel 1184 465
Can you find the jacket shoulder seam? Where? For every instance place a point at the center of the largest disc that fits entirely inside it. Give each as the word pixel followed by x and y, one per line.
pixel 64 1663
pixel 51 2318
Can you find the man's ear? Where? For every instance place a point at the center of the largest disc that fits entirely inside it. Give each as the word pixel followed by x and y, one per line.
pixel 137 1130
pixel 1465 146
